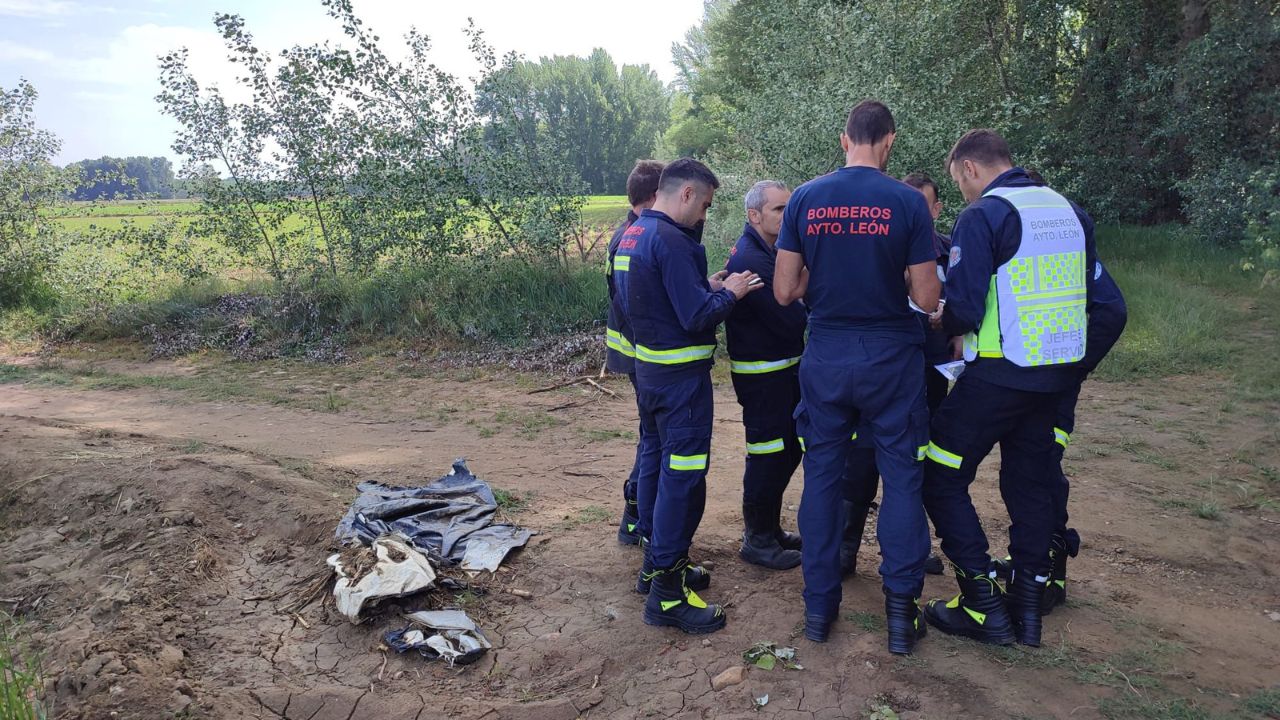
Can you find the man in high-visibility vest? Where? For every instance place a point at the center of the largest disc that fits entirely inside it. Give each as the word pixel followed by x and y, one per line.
pixel 620 357
pixel 1017 289
pixel 855 244
pixel 765 341
pixel 673 308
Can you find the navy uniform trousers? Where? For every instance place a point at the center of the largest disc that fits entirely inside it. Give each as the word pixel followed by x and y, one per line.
pixel 641 487
pixel 974 417
pixel 847 379
pixel 1064 425
pixel 678 414
pixel 863 477
pixel 768 403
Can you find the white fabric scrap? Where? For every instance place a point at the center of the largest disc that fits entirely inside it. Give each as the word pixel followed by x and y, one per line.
pixel 388 578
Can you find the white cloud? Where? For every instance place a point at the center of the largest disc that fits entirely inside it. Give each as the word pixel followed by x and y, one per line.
pixel 13 52
pixel 36 8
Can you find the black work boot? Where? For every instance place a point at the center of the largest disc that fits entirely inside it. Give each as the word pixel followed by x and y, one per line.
pixel 627 534
pixel 672 603
pixel 978 612
pixel 696 577
pixel 760 545
pixel 817 627
pixel 788 540
pixel 1026 593
pixel 1055 592
pixel 905 622
pixel 855 522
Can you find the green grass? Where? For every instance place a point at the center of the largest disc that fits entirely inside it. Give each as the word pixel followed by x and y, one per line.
pixel 510 501
pixel 21 683
pixel 1265 702
pixel 868 622
pixel 584 516
pixel 1191 308
pixel 605 209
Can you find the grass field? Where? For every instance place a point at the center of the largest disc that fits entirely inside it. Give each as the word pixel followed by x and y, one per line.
pixel 599 210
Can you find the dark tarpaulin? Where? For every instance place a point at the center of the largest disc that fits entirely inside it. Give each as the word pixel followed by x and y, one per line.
pixel 444 519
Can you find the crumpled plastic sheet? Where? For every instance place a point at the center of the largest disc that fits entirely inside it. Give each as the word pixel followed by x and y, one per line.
pixel 456 639
pixel 400 569
pixel 450 519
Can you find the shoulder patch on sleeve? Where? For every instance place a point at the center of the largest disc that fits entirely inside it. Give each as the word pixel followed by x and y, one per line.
pixel 955 256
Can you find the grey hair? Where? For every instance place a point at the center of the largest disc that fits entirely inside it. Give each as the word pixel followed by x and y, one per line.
pixel 755 196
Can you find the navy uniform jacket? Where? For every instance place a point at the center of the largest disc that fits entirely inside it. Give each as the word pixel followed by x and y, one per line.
pixel 759 328
pixel 668 300
pixel 858 231
pixel 615 361
pixel 988 234
pixel 937 345
pixel 1108 315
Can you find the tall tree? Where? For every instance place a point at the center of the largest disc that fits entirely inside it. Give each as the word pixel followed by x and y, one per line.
pixel 605 117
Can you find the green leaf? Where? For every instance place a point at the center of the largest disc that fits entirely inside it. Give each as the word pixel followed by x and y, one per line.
pixel 766 662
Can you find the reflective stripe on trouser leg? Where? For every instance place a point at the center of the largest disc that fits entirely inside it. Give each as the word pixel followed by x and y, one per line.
pixel 943 457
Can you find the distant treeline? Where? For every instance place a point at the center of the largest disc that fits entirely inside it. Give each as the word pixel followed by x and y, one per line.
pixel 111 178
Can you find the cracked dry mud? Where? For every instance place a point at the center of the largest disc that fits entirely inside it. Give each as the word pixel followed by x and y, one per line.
pixel 154 547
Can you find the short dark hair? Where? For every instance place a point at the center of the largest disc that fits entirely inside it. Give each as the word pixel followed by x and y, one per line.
pixel 642 183
pixel 679 172
pixel 869 121
pixel 919 181
pixel 983 146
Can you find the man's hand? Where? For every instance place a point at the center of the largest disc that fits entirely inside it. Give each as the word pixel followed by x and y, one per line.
pixel 717 281
pixel 935 317
pixel 957 348
pixel 741 283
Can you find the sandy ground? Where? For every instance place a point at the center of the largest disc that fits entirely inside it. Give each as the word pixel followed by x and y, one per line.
pixel 157 548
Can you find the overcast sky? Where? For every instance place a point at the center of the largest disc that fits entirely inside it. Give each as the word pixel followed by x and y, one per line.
pixel 94 62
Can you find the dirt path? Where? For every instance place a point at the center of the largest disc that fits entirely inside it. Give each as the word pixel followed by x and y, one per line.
pixel 153 542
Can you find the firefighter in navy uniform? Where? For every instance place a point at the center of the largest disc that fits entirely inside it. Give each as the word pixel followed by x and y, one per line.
pixel 1017 288
pixel 863 477
pixel 1108 316
pixel 866 242
pixel 620 357
pixel 765 341
pixel 673 309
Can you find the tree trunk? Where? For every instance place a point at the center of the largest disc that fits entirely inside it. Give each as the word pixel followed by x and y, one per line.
pixel 1195 20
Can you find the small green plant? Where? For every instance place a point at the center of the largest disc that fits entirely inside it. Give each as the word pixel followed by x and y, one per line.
pixel 1209 510
pixel 20 679
pixel 584 516
pixel 510 501
pixel 869 622
pixel 334 402
pixel 604 435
